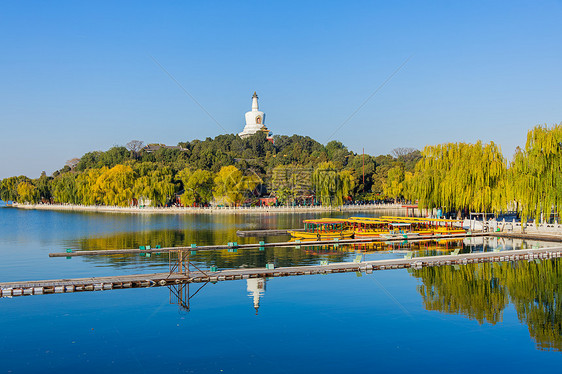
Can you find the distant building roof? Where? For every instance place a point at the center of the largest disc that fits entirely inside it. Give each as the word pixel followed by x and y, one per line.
pixel 154 147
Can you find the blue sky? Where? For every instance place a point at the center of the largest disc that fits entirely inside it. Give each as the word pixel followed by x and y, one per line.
pixel 78 76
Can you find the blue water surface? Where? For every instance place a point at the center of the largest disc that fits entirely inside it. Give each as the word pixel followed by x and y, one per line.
pixel 334 323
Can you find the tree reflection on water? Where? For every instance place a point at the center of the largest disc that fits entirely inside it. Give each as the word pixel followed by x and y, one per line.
pixel 478 291
pixel 482 291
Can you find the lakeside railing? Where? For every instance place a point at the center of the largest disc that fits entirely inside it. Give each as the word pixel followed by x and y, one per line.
pixel 263 208
pixel 475 225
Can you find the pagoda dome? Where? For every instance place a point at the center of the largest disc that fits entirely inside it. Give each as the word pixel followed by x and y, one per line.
pixel 255 120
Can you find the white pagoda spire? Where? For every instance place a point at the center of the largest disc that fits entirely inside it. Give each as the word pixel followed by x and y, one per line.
pixel 255 106
pixel 255 120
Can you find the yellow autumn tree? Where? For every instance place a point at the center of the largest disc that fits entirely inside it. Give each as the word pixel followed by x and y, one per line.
pixel 85 183
pixel 115 186
pixel 231 185
pixel 27 192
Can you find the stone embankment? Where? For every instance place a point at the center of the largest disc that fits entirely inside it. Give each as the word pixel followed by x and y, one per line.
pixel 539 231
pixel 208 210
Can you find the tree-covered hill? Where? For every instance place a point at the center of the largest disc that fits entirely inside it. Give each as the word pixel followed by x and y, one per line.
pixel 249 167
pixel 227 170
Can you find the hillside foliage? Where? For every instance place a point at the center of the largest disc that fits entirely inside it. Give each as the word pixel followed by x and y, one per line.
pixel 229 170
pixel 226 170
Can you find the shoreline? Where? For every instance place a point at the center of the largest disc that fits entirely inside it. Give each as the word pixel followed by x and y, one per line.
pixel 201 210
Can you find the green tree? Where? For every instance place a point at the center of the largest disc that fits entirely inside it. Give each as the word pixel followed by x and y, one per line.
pixel 290 183
pixel 231 186
pixel 85 186
pixel 332 186
pixel 198 186
pixel 460 176
pixel 65 189
pixel 43 184
pixel 536 173
pixel 27 192
pixel 157 186
pixel 9 189
pixel 115 186
pixel 394 184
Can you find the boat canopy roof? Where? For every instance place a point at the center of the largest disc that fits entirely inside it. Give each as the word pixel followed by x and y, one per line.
pixel 367 220
pixel 399 224
pixel 421 219
pixel 322 221
pixel 372 219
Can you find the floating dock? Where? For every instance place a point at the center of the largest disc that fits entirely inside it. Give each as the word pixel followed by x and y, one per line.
pixel 304 243
pixel 263 233
pixel 10 289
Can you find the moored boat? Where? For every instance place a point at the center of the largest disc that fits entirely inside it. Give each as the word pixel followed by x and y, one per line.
pixel 432 226
pixel 368 227
pixel 325 228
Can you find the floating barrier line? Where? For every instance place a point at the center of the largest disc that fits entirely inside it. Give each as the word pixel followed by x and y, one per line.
pixel 23 288
pixel 398 238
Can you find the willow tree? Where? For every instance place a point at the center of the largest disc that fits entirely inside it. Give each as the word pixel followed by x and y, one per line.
pixel 9 189
pixel 536 173
pixel 85 183
pixel 290 183
pixel 64 189
pixel 460 176
pixel 332 186
pixel 157 186
pixel 27 193
pixel 231 185
pixel 394 185
pixel 198 186
pixel 115 186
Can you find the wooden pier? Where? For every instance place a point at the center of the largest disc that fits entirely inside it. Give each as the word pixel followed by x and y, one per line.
pixel 263 233
pixel 396 238
pixel 185 276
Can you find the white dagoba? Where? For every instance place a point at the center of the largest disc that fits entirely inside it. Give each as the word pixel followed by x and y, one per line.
pixel 255 120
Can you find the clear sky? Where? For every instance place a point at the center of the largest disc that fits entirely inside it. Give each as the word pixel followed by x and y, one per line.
pixel 78 76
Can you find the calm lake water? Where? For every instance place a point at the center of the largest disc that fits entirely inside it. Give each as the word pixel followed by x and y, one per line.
pixel 487 317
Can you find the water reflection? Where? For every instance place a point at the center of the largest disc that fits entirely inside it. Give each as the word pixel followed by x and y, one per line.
pixel 482 292
pixel 182 294
pixel 478 291
pixel 280 256
pixel 256 289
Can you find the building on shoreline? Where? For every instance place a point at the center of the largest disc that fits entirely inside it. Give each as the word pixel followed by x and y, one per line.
pixel 255 121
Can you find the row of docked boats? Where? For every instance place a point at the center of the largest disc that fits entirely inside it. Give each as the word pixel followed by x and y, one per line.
pixel 386 226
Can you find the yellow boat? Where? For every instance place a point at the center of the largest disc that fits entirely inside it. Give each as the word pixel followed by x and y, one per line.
pixel 368 227
pixel 325 228
pixel 439 226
